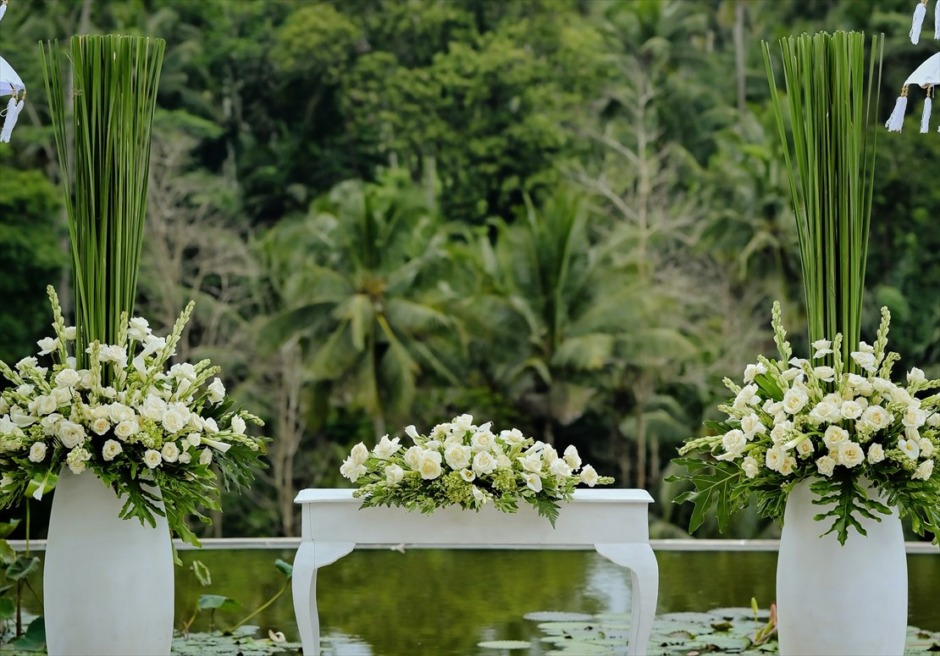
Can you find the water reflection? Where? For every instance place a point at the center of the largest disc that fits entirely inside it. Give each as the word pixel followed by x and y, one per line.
pixel 442 603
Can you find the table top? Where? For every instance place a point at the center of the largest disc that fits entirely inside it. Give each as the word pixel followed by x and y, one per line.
pixel 599 495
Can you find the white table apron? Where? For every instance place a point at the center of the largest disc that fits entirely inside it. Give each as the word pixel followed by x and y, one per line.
pixel 613 522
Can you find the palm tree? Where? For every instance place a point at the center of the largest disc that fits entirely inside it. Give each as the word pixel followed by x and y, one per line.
pixel 359 278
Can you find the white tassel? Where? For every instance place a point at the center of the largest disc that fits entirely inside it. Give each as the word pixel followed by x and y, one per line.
pixel 925 118
pixel 920 11
pixel 896 120
pixel 14 108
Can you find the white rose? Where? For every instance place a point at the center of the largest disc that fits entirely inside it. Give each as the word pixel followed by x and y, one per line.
pixel 47 345
pixel 457 456
pixel 429 466
pixel 750 467
pixel 794 400
pixel 875 454
pixel 126 429
pixel 852 409
pixel 193 439
pixel 805 447
pixel 512 437
pixel 70 434
pixel 67 378
pixel 238 425
pixel 924 470
pixel 560 468
pixel 850 454
pixel 909 448
pixel 752 425
pixel 359 454
pixel 119 412
pixel 825 465
pixel 788 465
pixel 747 396
pixel 781 431
pixel 751 371
pixel 45 405
pixel 413 456
pixel 37 452
pixel 775 458
pixel 934 420
pixel 877 417
pixel 572 457
pixel 175 417
pixel 913 417
pixel 70 333
pixel 532 463
pixel 153 408
pixel 185 458
pixel 734 442
pixel 482 440
pixel 549 454
pixel 394 474
pixel 926 447
pixel 152 458
pixel 27 363
pixel 533 482
pixel 915 376
pixel 138 329
pixel 205 458
pixel 484 463
pixel 216 391
pixel 100 426
pixel 834 435
pixel 468 475
pixel 170 452
pixel 386 448
pixel 209 425
pixel 110 450
pixel 589 476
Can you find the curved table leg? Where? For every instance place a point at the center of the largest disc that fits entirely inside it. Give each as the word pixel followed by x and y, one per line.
pixel 310 557
pixel 644 573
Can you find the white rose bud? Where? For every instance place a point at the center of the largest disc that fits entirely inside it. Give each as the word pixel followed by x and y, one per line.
pixel 170 452
pixel 572 457
pixel 126 429
pixel 750 467
pixel 876 454
pixel 915 376
pixel 850 454
pixel 825 465
pixel 100 426
pixel 589 476
pixel 394 474
pixel 238 425
pixel 924 470
pixel 110 450
pixel 216 391
pixel 185 458
pixel 37 452
pixel 205 457
pixel 560 469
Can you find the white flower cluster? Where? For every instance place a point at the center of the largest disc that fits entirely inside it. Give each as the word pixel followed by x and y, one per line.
pixel 817 416
pixel 111 414
pixel 461 463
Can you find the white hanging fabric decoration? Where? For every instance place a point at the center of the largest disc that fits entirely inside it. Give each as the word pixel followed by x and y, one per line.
pixel 926 76
pixel 896 121
pixel 925 118
pixel 10 85
pixel 936 21
pixel 917 23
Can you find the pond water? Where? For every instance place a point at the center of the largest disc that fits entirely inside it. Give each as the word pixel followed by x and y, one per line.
pixel 441 603
pixel 444 602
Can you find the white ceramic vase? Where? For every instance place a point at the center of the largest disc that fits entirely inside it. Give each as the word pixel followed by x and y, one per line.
pixel 107 582
pixel 835 599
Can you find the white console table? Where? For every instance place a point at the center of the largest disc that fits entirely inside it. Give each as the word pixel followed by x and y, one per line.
pixel 614 522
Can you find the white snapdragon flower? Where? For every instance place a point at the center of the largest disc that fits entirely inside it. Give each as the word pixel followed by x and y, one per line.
pixel 209 426
pixel 484 463
pixel 70 333
pixel 560 469
pixel 205 458
pixel 532 462
pixel 457 456
pixel 751 425
pixel 50 423
pixel 794 400
pixel 70 434
pixel 915 376
pixel 827 374
pixel 126 429
pixel 67 378
pixel 752 371
pixel 47 345
pixel 215 392
pixel 152 344
pixel 821 348
pixel 926 447
pixel 170 452
pixel 750 467
pixel 219 446
pixel 27 363
pixel 429 466
pixel 37 452
pixel 825 465
pixel 358 455
pixel 923 471
pixel 512 437
pixel 480 496
pixel 734 442
pixel 193 439
pixel 386 448
pixel 860 384
pixel 876 454
pixel 533 482
pixel 138 328
pixel 747 396
pixel 933 420
pixel 910 448
pixel 549 454
pixel 238 425
pixel 572 457
pixel 865 360
pixel 462 424
pixel 183 371
pixel 394 474
pixel 152 458
pixel 111 450
pixel 43 405
pixel 850 454
pixel 589 476
pixel 76 460
pixel 781 431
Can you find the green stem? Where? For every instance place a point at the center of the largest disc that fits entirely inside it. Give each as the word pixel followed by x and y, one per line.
pixel 262 606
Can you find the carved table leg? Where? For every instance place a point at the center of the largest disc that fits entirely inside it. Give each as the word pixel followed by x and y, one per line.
pixel 644 573
pixel 310 557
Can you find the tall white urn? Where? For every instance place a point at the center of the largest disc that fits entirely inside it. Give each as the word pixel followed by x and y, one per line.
pixel 835 599
pixel 107 582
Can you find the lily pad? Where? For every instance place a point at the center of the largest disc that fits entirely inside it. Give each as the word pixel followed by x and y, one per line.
pixel 505 644
pixel 555 616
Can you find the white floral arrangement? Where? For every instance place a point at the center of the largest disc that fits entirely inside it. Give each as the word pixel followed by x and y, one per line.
pixel 794 420
pixel 466 465
pixel 130 419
